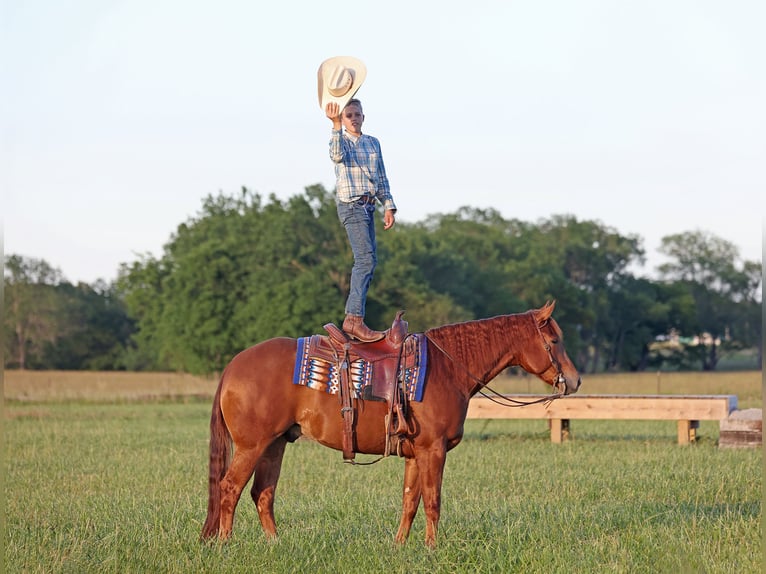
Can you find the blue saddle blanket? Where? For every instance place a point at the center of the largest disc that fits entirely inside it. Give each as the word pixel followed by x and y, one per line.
pixel 322 375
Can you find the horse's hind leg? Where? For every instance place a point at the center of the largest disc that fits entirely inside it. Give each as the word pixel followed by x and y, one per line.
pixel 233 483
pixel 410 499
pixel 265 484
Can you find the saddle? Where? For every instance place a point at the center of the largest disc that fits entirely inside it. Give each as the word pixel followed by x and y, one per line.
pixel 388 358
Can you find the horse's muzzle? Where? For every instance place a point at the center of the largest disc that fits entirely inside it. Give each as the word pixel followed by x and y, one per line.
pixel 564 387
pixel 570 390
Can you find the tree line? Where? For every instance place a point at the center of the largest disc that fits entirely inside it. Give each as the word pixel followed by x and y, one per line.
pixel 245 269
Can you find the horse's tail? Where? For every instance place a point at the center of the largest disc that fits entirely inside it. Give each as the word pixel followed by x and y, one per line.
pixel 220 458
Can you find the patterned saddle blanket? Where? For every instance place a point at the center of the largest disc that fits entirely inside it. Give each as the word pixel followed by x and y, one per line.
pixel 318 364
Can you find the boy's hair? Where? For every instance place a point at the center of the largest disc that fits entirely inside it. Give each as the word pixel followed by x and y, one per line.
pixel 353 102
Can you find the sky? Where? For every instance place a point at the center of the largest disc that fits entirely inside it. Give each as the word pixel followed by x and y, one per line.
pixel 120 116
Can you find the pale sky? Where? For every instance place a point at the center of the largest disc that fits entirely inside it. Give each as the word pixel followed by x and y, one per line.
pixel 119 117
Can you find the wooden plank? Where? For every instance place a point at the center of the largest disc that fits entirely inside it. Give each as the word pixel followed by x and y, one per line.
pixel 620 407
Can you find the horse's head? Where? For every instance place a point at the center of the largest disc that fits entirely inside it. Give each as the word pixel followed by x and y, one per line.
pixel 546 356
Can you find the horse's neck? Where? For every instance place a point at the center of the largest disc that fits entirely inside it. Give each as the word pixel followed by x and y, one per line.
pixel 483 348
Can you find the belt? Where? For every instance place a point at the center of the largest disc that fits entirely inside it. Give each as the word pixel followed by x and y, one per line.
pixel 366 199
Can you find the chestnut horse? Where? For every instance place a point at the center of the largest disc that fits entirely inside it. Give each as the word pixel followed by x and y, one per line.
pixel 258 409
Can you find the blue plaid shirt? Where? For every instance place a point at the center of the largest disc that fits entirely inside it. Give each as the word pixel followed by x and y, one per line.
pixel 359 168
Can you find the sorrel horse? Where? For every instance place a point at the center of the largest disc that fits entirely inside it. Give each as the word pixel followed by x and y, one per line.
pixel 259 410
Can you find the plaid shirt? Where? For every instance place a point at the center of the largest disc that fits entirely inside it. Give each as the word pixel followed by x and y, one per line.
pixel 359 168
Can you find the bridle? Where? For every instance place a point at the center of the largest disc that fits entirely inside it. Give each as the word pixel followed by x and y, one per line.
pixel 501 399
pixel 560 378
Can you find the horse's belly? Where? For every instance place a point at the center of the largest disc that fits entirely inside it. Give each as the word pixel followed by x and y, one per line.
pixel 325 425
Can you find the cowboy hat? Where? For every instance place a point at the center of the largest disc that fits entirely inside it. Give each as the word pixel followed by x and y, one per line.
pixel 338 80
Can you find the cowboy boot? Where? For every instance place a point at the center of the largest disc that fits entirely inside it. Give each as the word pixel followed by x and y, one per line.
pixel 354 326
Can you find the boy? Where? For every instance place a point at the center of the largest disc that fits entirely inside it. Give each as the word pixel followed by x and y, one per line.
pixel 361 180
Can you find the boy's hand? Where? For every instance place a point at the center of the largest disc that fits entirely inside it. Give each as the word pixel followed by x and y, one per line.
pixel 332 110
pixel 388 219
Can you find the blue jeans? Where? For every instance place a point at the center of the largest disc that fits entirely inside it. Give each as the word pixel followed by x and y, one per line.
pixel 359 221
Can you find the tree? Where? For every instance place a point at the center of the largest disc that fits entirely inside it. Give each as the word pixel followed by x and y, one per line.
pixel 467 260
pixel 239 272
pixel 93 329
pixel 182 302
pixel 409 278
pixel 298 263
pixel 724 289
pixel 576 263
pixel 31 308
pixel 640 310
pixel 246 269
pixel 139 286
pixel 52 324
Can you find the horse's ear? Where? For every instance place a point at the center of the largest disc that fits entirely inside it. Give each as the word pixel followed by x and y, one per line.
pixel 544 313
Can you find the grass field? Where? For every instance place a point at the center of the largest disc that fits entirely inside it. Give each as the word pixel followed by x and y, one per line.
pixel 118 484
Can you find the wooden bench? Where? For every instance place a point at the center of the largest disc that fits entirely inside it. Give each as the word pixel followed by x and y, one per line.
pixel 688 410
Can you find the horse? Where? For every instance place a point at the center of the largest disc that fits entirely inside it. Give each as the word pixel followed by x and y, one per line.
pixel 257 409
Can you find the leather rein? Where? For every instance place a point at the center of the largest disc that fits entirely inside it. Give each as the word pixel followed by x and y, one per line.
pixel 503 400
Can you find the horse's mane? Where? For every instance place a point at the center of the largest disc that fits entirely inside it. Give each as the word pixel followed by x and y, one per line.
pixel 481 343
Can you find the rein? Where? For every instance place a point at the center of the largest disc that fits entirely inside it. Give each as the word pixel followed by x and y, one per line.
pixel 501 399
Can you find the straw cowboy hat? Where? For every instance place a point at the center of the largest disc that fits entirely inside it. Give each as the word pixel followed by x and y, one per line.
pixel 338 80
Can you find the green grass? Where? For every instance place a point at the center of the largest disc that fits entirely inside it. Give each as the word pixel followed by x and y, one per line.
pixel 121 487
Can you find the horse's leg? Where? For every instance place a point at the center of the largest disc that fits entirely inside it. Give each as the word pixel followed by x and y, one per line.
pixel 431 469
pixel 410 499
pixel 265 484
pixel 233 483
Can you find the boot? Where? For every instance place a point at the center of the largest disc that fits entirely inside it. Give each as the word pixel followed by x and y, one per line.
pixel 354 326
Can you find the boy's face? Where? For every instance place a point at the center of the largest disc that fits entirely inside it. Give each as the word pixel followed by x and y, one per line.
pixel 352 119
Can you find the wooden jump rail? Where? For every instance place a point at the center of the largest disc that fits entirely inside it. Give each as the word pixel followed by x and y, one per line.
pixel 688 410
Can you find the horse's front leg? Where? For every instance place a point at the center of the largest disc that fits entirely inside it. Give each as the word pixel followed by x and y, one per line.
pixel 265 485
pixel 431 469
pixel 410 499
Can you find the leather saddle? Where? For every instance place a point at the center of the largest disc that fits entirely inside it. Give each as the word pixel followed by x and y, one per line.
pixel 388 358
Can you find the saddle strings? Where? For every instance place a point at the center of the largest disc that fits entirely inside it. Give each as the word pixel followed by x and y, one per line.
pixel 498 397
pixel 399 391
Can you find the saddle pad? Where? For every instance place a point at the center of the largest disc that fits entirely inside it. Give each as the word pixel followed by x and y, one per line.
pixel 324 375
